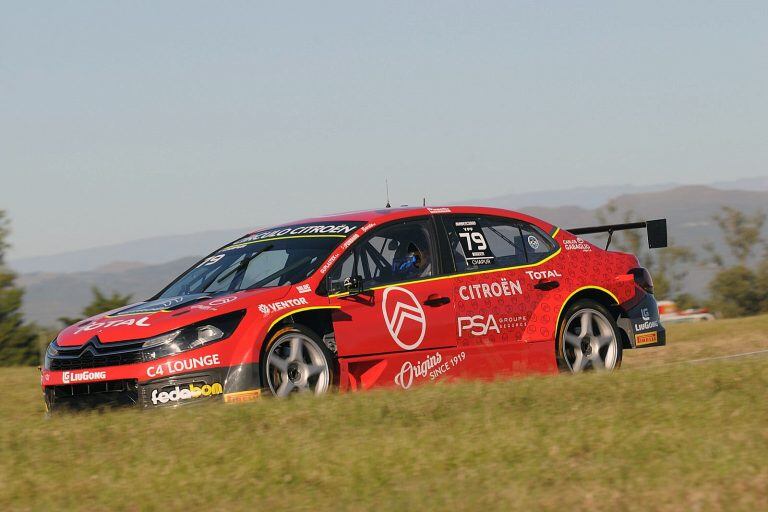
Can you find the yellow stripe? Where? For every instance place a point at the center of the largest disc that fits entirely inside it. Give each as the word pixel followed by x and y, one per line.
pixel 455 276
pixel 557 230
pixel 299 311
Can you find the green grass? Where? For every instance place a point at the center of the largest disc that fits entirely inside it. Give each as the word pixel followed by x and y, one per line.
pixel 651 437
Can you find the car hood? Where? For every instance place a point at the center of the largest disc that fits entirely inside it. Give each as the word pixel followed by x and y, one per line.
pixel 148 319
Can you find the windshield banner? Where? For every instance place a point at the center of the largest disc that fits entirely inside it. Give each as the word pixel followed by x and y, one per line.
pixel 319 229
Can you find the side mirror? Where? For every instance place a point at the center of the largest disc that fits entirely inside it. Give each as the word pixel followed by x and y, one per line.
pixel 353 285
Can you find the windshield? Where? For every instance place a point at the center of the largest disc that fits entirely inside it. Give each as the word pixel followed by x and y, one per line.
pixel 276 257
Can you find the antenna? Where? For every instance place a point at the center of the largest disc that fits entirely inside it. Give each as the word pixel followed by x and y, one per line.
pixel 424 202
pixel 386 183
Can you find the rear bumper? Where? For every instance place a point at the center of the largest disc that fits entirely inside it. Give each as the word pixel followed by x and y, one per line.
pixel 641 323
pixel 87 389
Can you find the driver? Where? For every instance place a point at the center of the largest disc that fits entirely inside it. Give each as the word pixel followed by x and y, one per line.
pixel 412 257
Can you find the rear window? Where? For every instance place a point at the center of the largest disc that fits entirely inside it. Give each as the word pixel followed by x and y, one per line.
pixel 479 242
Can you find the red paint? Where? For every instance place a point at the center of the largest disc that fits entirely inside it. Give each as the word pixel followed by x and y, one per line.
pixel 444 339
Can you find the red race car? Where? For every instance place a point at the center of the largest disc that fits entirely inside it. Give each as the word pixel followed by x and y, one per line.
pixel 391 297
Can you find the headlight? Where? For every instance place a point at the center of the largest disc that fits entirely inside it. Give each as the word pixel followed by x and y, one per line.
pixel 50 352
pixel 192 337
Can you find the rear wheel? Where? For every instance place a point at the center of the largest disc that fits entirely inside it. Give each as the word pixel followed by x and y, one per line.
pixel 588 339
pixel 297 361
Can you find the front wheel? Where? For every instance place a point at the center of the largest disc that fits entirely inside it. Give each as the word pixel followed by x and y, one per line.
pixel 588 339
pixel 297 361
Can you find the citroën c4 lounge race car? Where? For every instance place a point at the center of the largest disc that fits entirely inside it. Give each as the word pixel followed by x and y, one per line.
pixel 392 297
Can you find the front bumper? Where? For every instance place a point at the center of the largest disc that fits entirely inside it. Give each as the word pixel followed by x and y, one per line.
pixel 89 389
pixel 641 323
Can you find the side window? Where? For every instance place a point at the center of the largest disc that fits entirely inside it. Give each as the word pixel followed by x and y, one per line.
pixel 478 243
pixel 395 253
pixel 537 245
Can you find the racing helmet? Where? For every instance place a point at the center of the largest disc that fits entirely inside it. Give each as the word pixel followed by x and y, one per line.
pixel 412 256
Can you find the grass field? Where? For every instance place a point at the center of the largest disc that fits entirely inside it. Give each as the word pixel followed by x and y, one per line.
pixel 658 435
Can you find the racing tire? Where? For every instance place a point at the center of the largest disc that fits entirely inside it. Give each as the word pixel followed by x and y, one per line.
pixel 588 339
pixel 295 360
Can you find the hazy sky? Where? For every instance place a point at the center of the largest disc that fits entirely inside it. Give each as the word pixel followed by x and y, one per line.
pixel 120 120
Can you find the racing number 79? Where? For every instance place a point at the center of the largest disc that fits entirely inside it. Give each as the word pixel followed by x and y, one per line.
pixel 476 238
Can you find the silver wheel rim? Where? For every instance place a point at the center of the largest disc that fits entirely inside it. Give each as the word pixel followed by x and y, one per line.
pixel 295 364
pixel 589 342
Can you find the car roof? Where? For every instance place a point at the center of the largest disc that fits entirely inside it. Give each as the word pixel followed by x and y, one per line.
pixel 384 215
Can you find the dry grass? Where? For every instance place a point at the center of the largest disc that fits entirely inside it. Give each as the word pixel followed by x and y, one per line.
pixel 672 437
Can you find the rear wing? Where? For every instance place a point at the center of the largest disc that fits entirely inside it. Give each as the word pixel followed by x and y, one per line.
pixel 657 231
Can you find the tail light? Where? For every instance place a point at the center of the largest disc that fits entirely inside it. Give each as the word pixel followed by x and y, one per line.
pixel 643 278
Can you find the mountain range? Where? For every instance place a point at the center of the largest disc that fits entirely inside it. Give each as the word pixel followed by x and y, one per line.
pixel 60 285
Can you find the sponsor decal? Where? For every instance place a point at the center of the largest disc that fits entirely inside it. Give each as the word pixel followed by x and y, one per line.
pixel 211 260
pixel 645 314
pixel 409 371
pixel 646 339
pixel 141 322
pixel 495 289
pixel 473 243
pixel 242 396
pixel 222 301
pixel 401 309
pixel 281 305
pixel 533 242
pixel 544 274
pixel 327 265
pixel 304 288
pixel 368 227
pixel 183 365
pixel 186 393
pixel 203 307
pixel 579 244
pixel 646 326
pixel 433 366
pixel 83 376
pixel 439 210
pixel 158 305
pixel 314 229
pixel 349 241
pixel 478 325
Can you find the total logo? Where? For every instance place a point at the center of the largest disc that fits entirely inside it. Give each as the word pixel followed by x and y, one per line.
pixel 544 274
pixel 179 394
pixel 85 376
pixel 404 316
pixel 281 305
pixel 141 322
pixel 478 325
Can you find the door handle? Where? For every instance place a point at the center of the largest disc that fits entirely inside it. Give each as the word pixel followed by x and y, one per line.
pixel 546 285
pixel 435 301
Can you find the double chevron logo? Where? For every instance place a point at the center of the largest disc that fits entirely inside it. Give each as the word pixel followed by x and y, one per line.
pixel 404 316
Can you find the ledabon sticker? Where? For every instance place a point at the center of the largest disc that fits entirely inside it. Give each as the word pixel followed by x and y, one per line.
pixel 473 243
